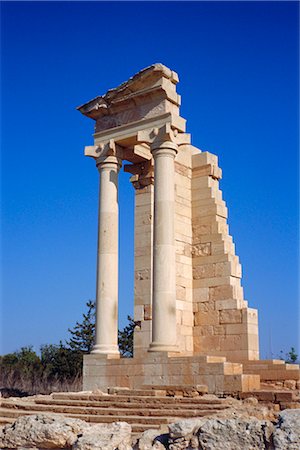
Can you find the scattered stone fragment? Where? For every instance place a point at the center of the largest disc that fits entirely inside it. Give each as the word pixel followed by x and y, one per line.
pixel 42 431
pixel 289 384
pixel 287 432
pixel 104 436
pixel 251 401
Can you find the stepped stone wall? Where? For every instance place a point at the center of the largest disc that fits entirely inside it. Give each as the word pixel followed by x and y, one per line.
pixel 223 323
pixel 212 316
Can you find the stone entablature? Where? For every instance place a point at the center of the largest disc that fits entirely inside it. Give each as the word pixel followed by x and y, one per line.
pixel 188 294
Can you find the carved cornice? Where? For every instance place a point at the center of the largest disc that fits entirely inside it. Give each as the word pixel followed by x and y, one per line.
pixel 149 82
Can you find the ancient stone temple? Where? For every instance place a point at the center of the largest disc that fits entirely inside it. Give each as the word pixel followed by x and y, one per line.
pixel 194 324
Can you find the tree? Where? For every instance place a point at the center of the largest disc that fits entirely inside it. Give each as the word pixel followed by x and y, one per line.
pixel 126 338
pixel 83 334
pixel 60 363
pixel 21 369
pixel 290 357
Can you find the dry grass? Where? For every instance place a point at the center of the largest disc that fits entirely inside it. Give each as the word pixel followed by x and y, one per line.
pixel 12 383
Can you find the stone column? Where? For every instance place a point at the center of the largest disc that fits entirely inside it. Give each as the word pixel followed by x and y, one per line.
pixel 164 271
pixel 106 342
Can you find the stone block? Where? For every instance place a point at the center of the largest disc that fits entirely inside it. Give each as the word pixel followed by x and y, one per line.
pixel 231 342
pixel 189 343
pixel 144 199
pixel 138 312
pixel 142 239
pixel 143 274
pixel 232 368
pixel 204 271
pixel 227 304
pixel 184 157
pixel 218 248
pixel 206 343
pixel 219 330
pixel 187 318
pixel 184 270
pixel 187 282
pixel 143 251
pixel 182 201
pixel 203 158
pixel 143 287
pixel 210 259
pixel 231 316
pixel 182 180
pixel 201 249
pixel 236 328
pixel 210 210
pixel 206 318
pixel 205 192
pixel 184 192
pixel 206 306
pixel 183 238
pixel 249 341
pixel 204 182
pixel 214 281
pixel 186 330
pixel 250 315
pixel 203 330
pixel 180 292
pixel 201 294
pixel 147 312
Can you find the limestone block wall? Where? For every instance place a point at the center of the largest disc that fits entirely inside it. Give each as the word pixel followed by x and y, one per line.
pixel 212 316
pixel 143 255
pixel 183 244
pixel 223 324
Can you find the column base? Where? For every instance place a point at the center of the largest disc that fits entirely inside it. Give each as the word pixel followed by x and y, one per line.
pixel 108 351
pixel 158 347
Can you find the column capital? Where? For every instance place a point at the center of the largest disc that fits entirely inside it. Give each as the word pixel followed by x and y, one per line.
pixel 166 148
pixel 108 163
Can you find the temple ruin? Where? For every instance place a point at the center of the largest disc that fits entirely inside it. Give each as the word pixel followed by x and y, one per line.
pixel 195 327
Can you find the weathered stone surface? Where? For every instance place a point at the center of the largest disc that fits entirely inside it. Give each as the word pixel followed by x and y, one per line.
pixel 151 440
pixel 237 428
pixel 238 433
pixel 42 431
pixel 104 436
pixel 287 432
pixel 290 384
pixel 228 434
pixel 184 428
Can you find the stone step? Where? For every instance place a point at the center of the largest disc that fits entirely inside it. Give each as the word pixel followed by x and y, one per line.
pixel 185 390
pixel 151 403
pixel 137 428
pixel 5 420
pixel 270 396
pixel 147 420
pixel 131 398
pixel 137 411
pixel 137 392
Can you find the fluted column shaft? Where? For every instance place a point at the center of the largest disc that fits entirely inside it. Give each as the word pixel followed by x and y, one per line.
pixel 106 341
pixel 164 270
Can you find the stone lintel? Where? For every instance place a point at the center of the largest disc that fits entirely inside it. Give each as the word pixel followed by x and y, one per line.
pixel 132 141
pixel 127 134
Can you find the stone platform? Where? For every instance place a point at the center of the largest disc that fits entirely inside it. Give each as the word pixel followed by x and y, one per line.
pixel 160 369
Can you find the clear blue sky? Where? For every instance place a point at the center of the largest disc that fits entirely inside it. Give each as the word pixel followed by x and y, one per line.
pixel 238 69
